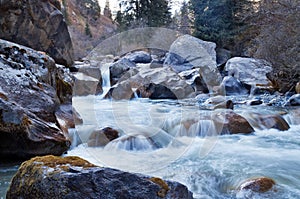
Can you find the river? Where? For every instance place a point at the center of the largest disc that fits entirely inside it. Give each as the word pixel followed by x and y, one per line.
pixel 154 142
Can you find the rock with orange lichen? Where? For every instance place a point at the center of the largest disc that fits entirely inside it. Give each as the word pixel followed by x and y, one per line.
pixel 73 177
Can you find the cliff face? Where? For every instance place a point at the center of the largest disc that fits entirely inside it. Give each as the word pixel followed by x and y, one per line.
pixel 86 24
pixel 39 25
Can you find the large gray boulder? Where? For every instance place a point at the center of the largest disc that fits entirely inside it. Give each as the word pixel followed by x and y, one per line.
pixel 30 93
pixel 154 83
pixel 188 52
pixel 73 177
pixel 249 70
pixel 39 25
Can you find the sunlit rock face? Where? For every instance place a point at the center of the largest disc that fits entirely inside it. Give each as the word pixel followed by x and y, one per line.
pixel 249 70
pixel 188 52
pixel 39 25
pixel 56 177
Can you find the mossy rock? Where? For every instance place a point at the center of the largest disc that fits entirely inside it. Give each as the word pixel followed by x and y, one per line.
pixel 260 185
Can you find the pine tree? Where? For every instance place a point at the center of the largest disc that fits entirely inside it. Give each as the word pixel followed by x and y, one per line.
pixel 141 13
pixel 220 21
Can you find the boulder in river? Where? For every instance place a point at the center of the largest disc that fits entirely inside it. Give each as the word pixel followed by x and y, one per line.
pixel 139 57
pixel 229 122
pixel 39 25
pixel 73 177
pixel 188 52
pixel 249 71
pixel 158 83
pixel 99 138
pixel 233 86
pixel 260 185
pixel 23 135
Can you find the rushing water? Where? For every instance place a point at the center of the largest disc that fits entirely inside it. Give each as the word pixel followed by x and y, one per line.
pixel 176 140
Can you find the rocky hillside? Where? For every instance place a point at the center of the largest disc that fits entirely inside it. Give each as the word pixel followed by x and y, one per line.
pixel 87 26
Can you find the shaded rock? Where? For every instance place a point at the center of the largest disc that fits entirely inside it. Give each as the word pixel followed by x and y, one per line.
pixel 102 137
pixel 24 135
pixel 119 68
pixel 260 185
pixel 249 70
pixel 194 78
pixel 139 57
pixel 228 122
pixel 188 52
pixel 85 85
pixel 267 121
pixel 56 177
pixel 67 117
pixel 223 56
pixel 297 88
pixel 233 86
pixel 218 102
pixel 64 84
pixel 293 100
pixel 39 25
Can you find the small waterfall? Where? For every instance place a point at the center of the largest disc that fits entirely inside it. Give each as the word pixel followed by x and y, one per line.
pixel 144 141
pixel 74 137
pixel 135 93
pixel 105 73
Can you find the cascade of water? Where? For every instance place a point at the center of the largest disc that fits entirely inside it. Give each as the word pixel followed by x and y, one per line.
pixel 74 137
pixel 105 73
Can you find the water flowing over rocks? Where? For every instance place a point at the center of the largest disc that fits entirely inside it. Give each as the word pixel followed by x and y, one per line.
pixel 56 177
pixel 267 121
pixel 39 25
pixel 249 71
pixel 231 123
pixel 294 100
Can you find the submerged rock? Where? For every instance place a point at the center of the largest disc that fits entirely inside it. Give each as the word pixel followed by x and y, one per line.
pixel 267 121
pixel 294 100
pixel 73 177
pixel 99 138
pixel 39 25
pixel 229 122
pixel 260 185
pixel 23 135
